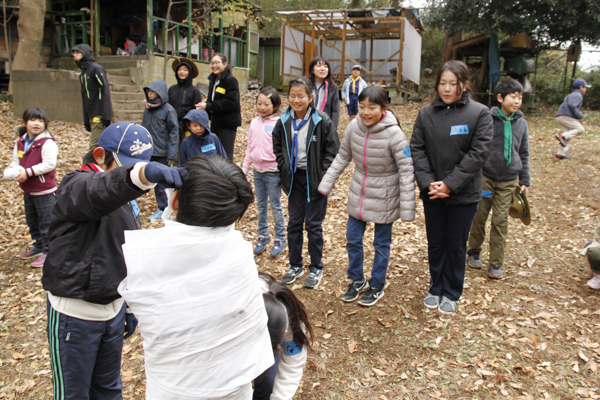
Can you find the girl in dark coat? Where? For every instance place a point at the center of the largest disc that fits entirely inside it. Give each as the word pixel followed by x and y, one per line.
pixel 327 97
pixel 184 96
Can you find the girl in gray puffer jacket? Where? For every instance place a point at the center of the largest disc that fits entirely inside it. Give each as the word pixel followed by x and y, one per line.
pixel 382 188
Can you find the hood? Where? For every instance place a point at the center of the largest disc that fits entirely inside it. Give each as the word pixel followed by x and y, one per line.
pixel 465 98
pixel 159 87
pixel 189 78
pixel 494 112
pixel 87 58
pixel 199 116
pixel 388 120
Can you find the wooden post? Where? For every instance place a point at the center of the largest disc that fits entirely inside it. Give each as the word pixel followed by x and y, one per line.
pixel 342 72
pixel 150 28
pixel 96 29
pixel 371 61
pixel 189 32
pixel 399 71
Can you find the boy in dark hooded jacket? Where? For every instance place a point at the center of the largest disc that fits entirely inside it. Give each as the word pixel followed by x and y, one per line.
pixel 202 140
pixel 160 118
pixel 184 96
pixel 95 93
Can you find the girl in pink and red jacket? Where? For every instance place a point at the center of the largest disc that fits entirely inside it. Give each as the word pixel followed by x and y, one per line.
pixel 267 182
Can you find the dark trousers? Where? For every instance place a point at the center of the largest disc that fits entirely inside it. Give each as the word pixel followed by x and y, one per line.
pixel 85 356
pixel 304 214
pixel 448 229
pixel 159 190
pixel 227 138
pixel 263 385
pixel 38 212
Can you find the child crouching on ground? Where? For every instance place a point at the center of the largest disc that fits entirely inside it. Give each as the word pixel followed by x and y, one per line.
pixel 202 141
pixel 194 288
pixel 34 165
pixel 592 251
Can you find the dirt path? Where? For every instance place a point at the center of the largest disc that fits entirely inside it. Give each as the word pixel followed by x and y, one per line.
pixel 533 335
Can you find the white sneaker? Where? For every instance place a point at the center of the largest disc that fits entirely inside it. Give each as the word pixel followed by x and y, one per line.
pixel 594 283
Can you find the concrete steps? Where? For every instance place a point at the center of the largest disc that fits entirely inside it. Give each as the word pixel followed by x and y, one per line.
pixel 128 100
pixel 128 115
pixel 118 62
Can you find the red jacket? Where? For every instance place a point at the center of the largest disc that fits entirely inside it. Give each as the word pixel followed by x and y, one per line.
pixel 40 178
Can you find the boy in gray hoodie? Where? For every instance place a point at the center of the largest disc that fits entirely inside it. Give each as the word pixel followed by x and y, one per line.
pixel 507 164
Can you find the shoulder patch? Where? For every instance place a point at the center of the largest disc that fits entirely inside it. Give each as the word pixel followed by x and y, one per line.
pixel 291 348
pixel 406 152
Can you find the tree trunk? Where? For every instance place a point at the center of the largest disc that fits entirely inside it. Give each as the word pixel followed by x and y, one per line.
pixel 31 33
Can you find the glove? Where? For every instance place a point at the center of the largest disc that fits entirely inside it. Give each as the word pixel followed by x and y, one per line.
pixel 168 177
pixel 105 122
pixel 131 323
pixel 87 126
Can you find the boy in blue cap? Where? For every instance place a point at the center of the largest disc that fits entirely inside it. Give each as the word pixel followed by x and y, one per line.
pixel 568 117
pixel 94 206
pixel 202 140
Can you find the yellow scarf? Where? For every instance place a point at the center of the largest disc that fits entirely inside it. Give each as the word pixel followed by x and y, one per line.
pixel 354 83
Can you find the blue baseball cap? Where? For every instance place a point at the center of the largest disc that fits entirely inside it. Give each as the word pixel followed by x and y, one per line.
pixel 129 142
pixel 579 83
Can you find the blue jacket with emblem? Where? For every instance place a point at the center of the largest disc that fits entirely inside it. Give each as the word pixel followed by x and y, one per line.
pixel 207 144
pixel 162 123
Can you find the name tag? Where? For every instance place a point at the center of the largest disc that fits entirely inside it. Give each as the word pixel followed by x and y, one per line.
pixel 406 152
pixel 269 128
pixel 486 193
pixel 291 348
pixel 208 147
pixel 20 153
pixel 135 208
pixel 459 130
pixel 96 119
pixel 220 90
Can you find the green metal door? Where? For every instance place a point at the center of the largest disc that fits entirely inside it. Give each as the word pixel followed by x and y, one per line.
pixel 272 73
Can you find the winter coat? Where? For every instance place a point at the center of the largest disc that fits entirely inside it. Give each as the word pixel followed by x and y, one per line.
pixel 39 162
pixel 332 105
pixel 183 97
pixel 224 109
pixel 259 151
pixel 162 123
pixel 450 143
pixel 571 105
pixel 321 149
pixel 95 90
pixel 208 144
pixel 383 186
pixel 495 167
pixel 346 88
pixel 92 212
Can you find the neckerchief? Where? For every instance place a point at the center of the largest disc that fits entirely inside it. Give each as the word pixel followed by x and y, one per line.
pixel 355 89
pixel 150 104
pixel 320 104
pixel 507 134
pixel 296 129
pixel 28 143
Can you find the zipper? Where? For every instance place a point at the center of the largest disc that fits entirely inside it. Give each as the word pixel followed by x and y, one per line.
pixel 362 197
pixel 448 110
pixel 287 145
pixel 307 148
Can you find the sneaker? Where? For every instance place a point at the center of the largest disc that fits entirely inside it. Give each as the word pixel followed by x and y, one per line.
pixel 431 301
pixel 39 262
pixel 314 278
pixel 32 252
pixel 354 289
pixel 559 157
pixel 371 297
pixel 447 306
pixel 594 283
pixel 474 261
pixel 156 215
pixel 495 272
pixel 278 247
pixel 292 274
pixel 261 245
pixel 561 140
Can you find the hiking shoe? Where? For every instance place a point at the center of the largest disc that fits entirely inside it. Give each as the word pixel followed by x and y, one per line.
pixel 39 262
pixel 561 140
pixel 354 289
pixel 32 252
pixel 594 283
pixel 495 272
pixel 261 245
pixel 474 261
pixel 431 301
pixel 559 157
pixel 156 215
pixel 278 247
pixel 292 274
pixel 314 278
pixel 447 306
pixel 371 297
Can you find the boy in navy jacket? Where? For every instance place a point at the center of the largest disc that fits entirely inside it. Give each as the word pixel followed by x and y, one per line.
pixel 202 140
pixel 568 117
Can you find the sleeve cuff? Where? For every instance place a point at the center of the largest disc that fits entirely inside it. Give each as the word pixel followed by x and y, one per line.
pixel 135 177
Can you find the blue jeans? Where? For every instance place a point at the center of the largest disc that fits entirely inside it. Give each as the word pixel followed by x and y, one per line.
pixel 383 237
pixel 38 213
pixel 264 387
pixel 267 187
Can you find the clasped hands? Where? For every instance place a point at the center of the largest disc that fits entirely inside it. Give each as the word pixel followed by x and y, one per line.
pixel 438 190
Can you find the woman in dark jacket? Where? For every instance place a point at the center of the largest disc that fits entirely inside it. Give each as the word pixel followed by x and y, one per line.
pixel 451 141
pixel 327 96
pixel 223 103
pixel 184 96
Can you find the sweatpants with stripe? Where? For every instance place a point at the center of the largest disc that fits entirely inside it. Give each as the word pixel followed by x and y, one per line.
pixel 85 356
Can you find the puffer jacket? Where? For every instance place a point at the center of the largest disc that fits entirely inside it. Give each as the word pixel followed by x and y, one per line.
pixel 95 91
pixel 383 186
pixel 259 151
pixel 162 123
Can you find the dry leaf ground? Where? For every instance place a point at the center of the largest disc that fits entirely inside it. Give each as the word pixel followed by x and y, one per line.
pixel 532 335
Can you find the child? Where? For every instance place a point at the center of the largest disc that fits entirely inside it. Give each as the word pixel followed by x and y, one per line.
pixel 288 327
pixel 160 118
pixel 194 287
pixel 95 93
pixel 305 142
pixel 184 96
pixel 202 140
pixel 592 251
pixel 451 141
pixel 508 160
pixel 568 117
pixel 351 89
pixel 36 153
pixel 267 182
pixel 382 189
pixel 326 96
